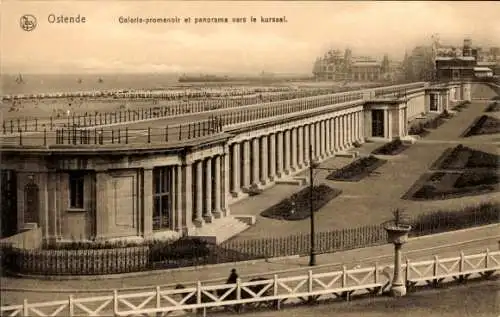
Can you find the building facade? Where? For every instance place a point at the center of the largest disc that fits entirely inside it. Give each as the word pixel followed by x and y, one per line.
pixel 147 192
pixel 336 66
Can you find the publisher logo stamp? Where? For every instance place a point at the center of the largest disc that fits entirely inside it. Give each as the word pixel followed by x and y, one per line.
pixel 28 22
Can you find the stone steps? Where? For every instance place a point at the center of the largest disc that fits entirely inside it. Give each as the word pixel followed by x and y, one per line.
pixel 221 229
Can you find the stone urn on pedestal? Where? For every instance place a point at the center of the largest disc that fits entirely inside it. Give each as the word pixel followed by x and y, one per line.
pixel 397 234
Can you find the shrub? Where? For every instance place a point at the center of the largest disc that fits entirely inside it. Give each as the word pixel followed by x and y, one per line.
pixel 392 148
pixel 483 159
pixel 299 202
pixel 469 179
pixel 358 169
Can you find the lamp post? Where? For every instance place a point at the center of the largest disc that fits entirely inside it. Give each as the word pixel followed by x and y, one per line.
pixel 312 254
pixel 312 166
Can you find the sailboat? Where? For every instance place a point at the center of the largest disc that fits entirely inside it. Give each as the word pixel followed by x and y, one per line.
pixel 100 80
pixel 79 80
pixel 20 79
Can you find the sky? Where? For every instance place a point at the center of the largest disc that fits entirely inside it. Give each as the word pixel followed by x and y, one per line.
pixel 103 44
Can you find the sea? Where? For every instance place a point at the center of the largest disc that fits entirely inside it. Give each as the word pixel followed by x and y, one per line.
pixel 45 83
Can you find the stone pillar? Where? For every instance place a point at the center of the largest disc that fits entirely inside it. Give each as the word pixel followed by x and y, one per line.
pixel 147 203
pixel 207 216
pixel 341 133
pixel 255 162
pixel 288 151
pixel 178 199
pixel 199 193
pixel 264 162
pixel 307 142
pixel 317 141
pixel 187 197
pixel 387 124
pixel 236 169
pixel 329 150
pixel 322 134
pixel 300 136
pixel 272 157
pixel 53 214
pixel 350 130
pixel 294 149
pixel 279 154
pixel 218 187
pixel 225 183
pixel 361 126
pixel 101 212
pixel 246 164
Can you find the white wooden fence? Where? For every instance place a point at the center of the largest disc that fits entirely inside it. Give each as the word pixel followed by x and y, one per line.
pixel 272 292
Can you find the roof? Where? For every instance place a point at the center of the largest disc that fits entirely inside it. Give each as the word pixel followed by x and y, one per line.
pixel 463 58
pixel 486 63
pixel 482 69
pixel 361 64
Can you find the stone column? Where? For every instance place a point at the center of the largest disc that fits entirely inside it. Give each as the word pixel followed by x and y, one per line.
pixel 101 212
pixel 187 195
pixel 236 169
pixel 208 191
pixel 287 152
pixel 337 133
pixel 218 186
pixel 225 183
pixel 300 160
pixel 328 140
pixel 246 164
pixel 199 193
pixel 272 157
pixel 178 199
pixel 307 142
pixel 321 139
pixel 53 233
pixel 147 203
pixel 264 162
pixel 361 126
pixel 350 129
pixel 342 132
pixel 294 149
pixel 279 153
pixel 317 141
pixel 256 162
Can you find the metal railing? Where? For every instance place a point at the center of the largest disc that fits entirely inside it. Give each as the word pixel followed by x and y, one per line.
pixel 191 107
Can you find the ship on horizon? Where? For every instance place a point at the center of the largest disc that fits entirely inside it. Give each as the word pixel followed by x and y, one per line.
pixel 19 79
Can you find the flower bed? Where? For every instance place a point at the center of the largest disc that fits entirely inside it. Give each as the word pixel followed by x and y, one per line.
pixel 357 170
pixel 392 148
pixel 469 179
pixel 483 125
pixel 442 185
pixel 462 157
pixel 297 207
pixel 493 107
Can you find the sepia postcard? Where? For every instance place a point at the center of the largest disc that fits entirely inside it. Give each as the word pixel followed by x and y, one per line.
pixel 249 158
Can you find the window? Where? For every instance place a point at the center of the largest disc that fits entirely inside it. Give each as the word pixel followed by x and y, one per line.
pixel 76 190
pixel 162 180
